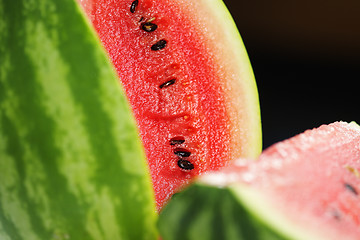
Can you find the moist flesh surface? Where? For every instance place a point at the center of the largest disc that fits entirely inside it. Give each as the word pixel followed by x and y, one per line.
pixel 172 81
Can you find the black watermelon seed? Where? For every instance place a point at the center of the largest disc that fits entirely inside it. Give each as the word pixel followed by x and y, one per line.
pixel 185 164
pixel 177 141
pixel 168 83
pixel 159 45
pixel 182 152
pixel 149 27
pixel 350 188
pixel 133 6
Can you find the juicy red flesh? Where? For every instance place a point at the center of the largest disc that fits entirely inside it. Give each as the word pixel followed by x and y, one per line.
pixel 172 83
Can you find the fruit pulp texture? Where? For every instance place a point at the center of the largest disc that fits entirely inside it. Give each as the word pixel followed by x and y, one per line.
pixel 172 82
pixel 312 178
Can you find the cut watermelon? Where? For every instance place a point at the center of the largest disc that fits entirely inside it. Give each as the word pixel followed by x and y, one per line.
pixel 188 79
pixel 306 188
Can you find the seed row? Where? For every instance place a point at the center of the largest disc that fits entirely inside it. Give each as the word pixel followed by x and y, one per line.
pixel 149 26
pixel 182 153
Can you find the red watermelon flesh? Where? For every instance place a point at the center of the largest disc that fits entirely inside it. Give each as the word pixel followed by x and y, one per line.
pixel 312 179
pixel 188 81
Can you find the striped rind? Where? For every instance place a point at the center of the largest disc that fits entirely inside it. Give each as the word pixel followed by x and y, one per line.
pixel 236 211
pixel 71 164
pixel 212 213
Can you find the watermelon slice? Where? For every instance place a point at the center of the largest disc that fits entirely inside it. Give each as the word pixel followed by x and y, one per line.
pixel 189 82
pixel 306 187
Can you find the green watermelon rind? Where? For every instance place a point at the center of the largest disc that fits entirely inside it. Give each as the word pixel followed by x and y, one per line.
pixel 234 212
pixel 207 212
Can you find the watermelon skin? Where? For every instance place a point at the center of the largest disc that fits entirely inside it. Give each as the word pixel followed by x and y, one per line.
pixel 71 163
pixel 306 187
pixel 213 103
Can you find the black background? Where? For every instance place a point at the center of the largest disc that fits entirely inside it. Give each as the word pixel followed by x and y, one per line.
pixel 305 56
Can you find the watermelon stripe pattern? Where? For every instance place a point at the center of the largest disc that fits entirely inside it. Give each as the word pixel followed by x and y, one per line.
pixel 71 164
pixel 211 213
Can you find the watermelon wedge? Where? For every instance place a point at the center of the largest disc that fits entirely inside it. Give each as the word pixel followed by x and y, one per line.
pixel 189 82
pixel 306 188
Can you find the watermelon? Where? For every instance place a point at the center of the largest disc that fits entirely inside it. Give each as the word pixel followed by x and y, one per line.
pixel 189 82
pixel 306 187
pixel 71 163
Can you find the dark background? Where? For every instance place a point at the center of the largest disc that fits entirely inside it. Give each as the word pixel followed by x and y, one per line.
pixel 306 59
